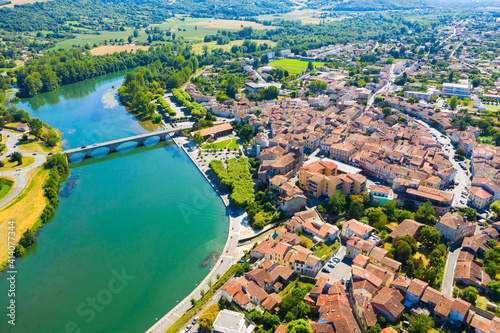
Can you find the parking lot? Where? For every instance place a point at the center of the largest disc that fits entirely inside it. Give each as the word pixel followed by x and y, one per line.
pixel 342 269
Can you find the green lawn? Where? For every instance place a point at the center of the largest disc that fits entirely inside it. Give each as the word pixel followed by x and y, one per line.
pixel 293 285
pixel 229 143
pixel 294 63
pixel 6 187
pixel 293 70
pixel 307 242
pixel 325 250
pixel 492 107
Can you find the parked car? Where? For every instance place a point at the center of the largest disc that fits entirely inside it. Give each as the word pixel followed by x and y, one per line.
pixel 336 259
pixel 325 270
pixel 331 265
pixel 18 169
pixel 343 280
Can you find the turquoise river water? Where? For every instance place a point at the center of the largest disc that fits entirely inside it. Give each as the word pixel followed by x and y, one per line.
pixel 130 233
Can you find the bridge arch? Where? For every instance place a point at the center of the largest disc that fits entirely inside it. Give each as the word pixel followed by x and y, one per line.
pixel 152 140
pixel 127 146
pixel 100 152
pixel 76 157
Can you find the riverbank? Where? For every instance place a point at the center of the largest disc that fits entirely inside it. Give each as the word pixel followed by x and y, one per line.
pixel 229 254
pixel 25 210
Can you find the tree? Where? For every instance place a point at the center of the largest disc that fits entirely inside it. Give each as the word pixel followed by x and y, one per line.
pixel 193 302
pixel 469 294
pixel 27 239
pixel 421 323
pixel 495 207
pixel 298 326
pixel 425 214
pixel 377 217
pixel 271 321
pixel 19 250
pixel 356 210
pixel 208 317
pixel 387 111
pixel 336 204
pixel 469 213
pixel 17 157
pixel 310 66
pixel 269 93
pixel 318 85
pixel 460 151
pixel 198 138
pixel 136 33
pixel 453 102
pixel 429 237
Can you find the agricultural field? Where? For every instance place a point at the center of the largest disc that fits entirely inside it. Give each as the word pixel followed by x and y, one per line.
pixel 196 28
pixel 20 2
pixel 110 49
pixel 198 47
pixel 91 39
pixel 306 16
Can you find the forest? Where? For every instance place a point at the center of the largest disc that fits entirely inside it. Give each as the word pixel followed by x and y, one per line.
pixel 113 14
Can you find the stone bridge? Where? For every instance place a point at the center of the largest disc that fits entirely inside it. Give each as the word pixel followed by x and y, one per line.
pixel 113 145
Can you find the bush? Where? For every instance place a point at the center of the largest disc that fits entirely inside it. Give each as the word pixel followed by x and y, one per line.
pixel 236 177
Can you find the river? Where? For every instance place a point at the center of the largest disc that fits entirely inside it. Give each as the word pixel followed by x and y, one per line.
pixel 130 232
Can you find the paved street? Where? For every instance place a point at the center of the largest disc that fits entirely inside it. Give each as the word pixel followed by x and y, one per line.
pixel 462 179
pixel 20 177
pixel 449 270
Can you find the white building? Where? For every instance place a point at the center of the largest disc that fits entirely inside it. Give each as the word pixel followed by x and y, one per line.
pixel 229 322
pixel 459 90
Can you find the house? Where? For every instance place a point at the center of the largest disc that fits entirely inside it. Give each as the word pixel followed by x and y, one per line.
pixel 407 228
pixel 439 200
pixel 215 131
pixel 22 127
pixel 454 227
pixel 321 230
pixel 356 246
pixel 228 321
pixel 356 228
pixel 415 291
pixel 471 274
pixel 388 303
pixel 380 195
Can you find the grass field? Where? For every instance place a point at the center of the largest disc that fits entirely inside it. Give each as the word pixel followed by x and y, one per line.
pixel 293 284
pixel 229 143
pixel 7 186
pixel 25 210
pixel 34 145
pixel 307 242
pixel 198 47
pixel 294 63
pixel 9 166
pixel 304 15
pixel 492 107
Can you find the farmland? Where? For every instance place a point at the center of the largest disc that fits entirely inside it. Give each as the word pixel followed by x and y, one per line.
pixel 198 47
pixel 110 49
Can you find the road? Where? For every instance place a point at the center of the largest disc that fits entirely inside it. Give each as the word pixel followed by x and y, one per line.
pixel 449 269
pixel 392 76
pixel 462 178
pixel 237 218
pixel 20 177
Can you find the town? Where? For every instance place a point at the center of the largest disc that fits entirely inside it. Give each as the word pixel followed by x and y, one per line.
pixel 377 186
pixel 328 172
